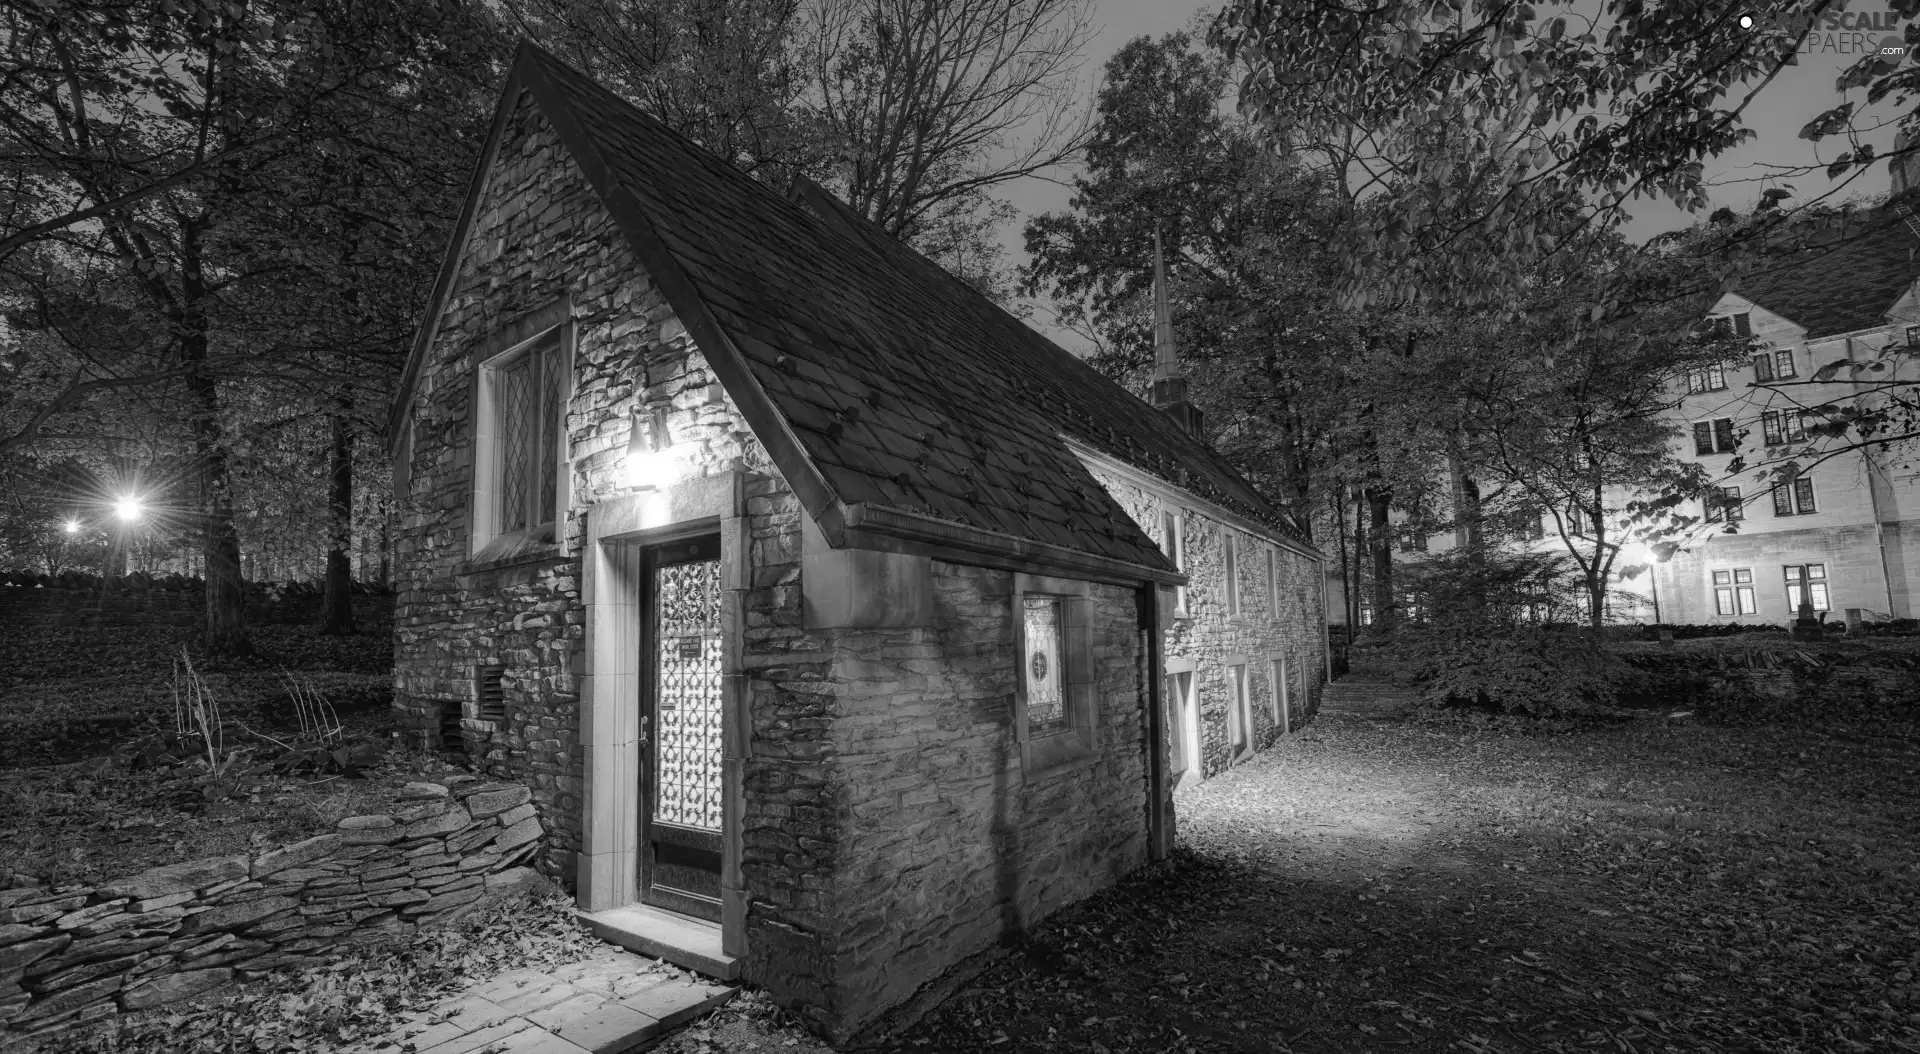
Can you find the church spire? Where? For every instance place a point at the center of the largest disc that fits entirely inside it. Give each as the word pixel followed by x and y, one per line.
pixel 1169 384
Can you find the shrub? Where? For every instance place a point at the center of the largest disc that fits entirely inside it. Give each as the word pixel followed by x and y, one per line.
pixel 1538 671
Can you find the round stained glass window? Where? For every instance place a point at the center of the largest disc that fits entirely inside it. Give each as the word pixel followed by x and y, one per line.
pixel 1039 666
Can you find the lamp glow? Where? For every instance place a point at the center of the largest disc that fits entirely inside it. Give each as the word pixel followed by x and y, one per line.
pixel 127 509
pixel 651 463
pixel 73 526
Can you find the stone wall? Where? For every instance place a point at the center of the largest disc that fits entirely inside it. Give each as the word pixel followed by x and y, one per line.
pixel 73 953
pixel 948 843
pixel 1207 635
pixel 137 600
pixel 792 814
pixel 540 236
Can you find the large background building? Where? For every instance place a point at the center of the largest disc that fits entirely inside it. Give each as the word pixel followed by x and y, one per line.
pixel 1831 329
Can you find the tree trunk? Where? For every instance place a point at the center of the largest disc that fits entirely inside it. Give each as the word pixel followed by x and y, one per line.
pixel 1359 565
pixel 1380 537
pixel 1467 533
pixel 226 593
pixel 336 603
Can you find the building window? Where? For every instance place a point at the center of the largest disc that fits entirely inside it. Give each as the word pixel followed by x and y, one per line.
pixel 1762 368
pixel 1707 379
pixel 1179 686
pixel 1713 437
pixel 1239 718
pixel 1783 364
pixel 1811 577
pixel 1056 708
pixel 1725 501
pixel 1913 336
pixel 1232 569
pixel 1282 713
pixel 520 472
pixel 1273 585
pixel 1778 426
pixel 1537 529
pixel 1173 543
pixel 1733 592
pixel 1413 540
pixel 1795 499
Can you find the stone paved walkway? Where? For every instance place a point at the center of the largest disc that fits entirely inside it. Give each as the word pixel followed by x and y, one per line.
pixel 614 1002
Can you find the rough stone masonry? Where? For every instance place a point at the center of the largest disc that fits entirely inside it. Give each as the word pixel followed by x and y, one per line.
pixel 70 954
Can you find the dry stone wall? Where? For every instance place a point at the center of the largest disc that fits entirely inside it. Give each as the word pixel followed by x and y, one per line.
pixel 74 953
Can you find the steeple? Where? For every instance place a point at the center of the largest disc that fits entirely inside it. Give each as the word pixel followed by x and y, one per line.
pixel 1169 385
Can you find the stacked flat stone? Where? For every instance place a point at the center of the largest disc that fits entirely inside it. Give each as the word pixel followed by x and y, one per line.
pixel 75 953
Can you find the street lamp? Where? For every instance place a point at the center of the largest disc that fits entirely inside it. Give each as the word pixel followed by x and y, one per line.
pixel 128 509
pixel 73 526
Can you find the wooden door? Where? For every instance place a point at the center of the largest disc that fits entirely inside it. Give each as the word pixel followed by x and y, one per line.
pixel 681 792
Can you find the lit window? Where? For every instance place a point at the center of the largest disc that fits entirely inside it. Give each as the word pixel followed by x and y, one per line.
pixel 1733 592
pixel 1055 708
pixel 1812 578
pixel 1046 697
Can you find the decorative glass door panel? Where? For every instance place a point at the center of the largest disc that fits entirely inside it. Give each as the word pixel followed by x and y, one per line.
pixel 682 788
pixel 1046 701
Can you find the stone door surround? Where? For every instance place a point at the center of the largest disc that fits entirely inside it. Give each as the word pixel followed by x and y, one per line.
pixel 617 532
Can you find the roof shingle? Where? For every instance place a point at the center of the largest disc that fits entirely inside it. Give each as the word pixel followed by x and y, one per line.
pixel 902 386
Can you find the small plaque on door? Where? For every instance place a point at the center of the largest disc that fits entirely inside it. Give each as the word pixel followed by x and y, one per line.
pixel 691 647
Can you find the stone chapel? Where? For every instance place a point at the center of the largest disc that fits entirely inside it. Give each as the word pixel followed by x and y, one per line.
pixel 840 623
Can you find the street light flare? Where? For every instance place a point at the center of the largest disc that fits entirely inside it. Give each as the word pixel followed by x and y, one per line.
pixel 127 509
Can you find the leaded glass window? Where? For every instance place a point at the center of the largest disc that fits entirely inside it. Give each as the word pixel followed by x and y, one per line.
pixel 529 396
pixel 689 643
pixel 1042 670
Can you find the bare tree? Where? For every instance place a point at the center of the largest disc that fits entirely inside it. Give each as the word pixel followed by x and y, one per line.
pixel 720 72
pixel 932 103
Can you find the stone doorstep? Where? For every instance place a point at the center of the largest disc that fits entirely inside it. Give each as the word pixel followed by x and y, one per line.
pixel 597 1025
pixel 681 940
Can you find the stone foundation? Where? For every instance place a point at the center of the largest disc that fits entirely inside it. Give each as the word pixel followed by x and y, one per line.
pixel 74 953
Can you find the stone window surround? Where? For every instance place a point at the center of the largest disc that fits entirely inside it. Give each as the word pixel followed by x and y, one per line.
pixel 1280 689
pixel 500 349
pixel 1187 712
pixel 1081 743
pixel 1230 571
pixel 1173 527
pixel 616 532
pixel 1240 702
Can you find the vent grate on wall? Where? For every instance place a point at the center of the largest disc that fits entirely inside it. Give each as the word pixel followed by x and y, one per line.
pixel 493 694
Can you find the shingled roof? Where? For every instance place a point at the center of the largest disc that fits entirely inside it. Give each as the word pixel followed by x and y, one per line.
pixel 895 399
pixel 1844 281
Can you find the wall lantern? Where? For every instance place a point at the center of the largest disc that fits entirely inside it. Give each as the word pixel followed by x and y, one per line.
pixel 652 463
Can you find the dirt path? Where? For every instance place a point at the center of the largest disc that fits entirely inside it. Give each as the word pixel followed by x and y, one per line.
pixel 1369 887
